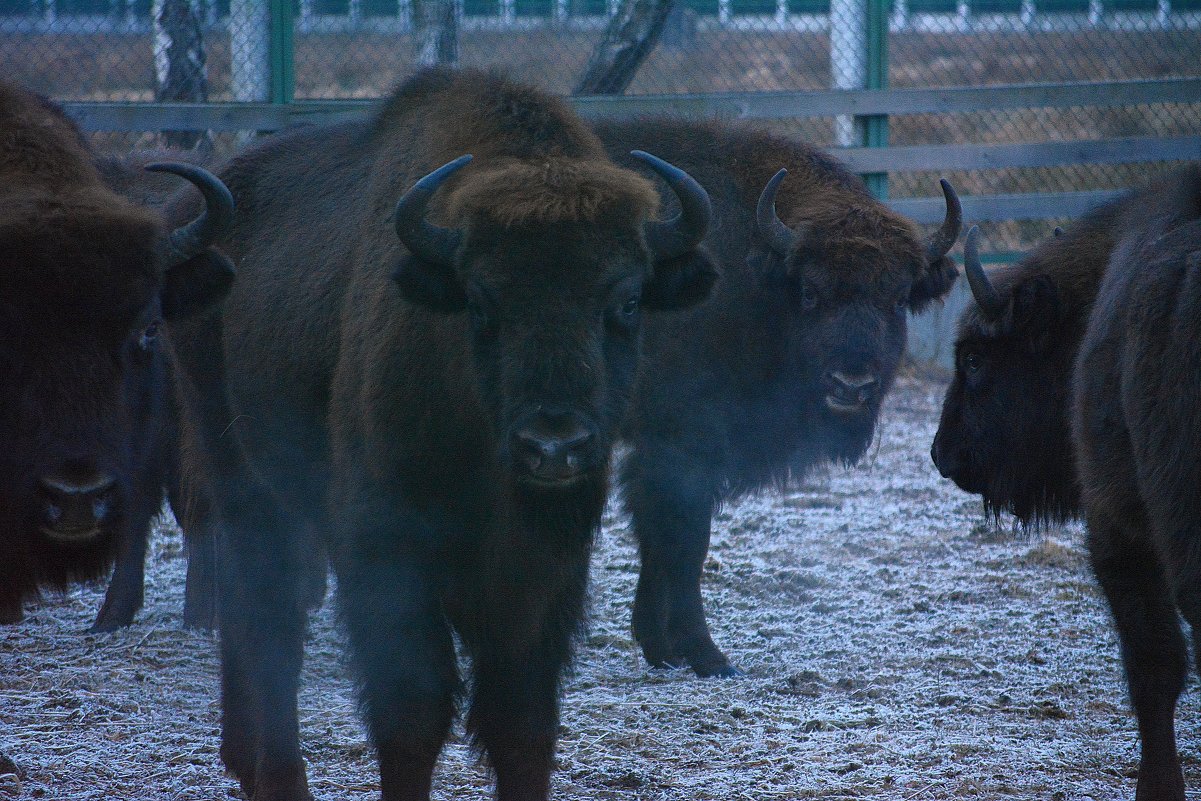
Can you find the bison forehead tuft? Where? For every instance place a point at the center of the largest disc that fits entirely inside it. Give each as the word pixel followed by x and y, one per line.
pixel 79 258
pixel 553 190
pixel 861 245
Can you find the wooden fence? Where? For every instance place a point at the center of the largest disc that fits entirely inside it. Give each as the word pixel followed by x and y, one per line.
pixel 932 334
pixel 874 103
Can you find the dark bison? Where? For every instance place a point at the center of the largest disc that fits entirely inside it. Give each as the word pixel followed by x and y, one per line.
pixel 1004 432
pixel 1108 313
pixel 782 369
pixel 430 374
pixel 85 276
pixel 1136 423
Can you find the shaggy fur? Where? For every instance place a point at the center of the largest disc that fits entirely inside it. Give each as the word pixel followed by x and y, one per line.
pixel 353 390
pixel 1136 425
pixel 552 191
pixel 734 396
pixel 83 273
pixel 1004 431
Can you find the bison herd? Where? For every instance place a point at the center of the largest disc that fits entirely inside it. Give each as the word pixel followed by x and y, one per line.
pixel 407 347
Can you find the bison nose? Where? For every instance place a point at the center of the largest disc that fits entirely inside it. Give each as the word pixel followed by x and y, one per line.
pixel 553 453
pixel 76 503
pixel 943 459
pixel 847 391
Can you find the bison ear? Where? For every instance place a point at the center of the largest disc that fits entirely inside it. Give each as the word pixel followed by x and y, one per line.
pixel 937 280
pixel 429 285
pixel 197 283
pixel 1034 309
pixel 680 282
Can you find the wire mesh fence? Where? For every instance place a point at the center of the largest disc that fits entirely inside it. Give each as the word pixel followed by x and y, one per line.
pixel 198 50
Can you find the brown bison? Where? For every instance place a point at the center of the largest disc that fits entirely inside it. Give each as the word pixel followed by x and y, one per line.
pixel 1106 313
pixel 86 276
pixel 1136 425
pixel 430 374
pixel 782 369
pixel 1004 432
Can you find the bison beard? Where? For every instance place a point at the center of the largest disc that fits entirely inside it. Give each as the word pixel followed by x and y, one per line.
pixel 1136 425
pixel 84 426
pixel 784 368
pixel 441 413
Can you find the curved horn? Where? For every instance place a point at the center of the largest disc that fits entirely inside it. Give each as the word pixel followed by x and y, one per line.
pixel 684 232
pixel 982 289
pixel 943 239
pixel 779 237
pixel 425 240
pixel 216 219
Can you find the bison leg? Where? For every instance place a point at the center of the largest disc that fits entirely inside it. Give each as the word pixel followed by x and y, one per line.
pixel 517 671
pixel 11 613
pixel 1153 649
pixel 200 590
pixel 515 717
pixel 262 623
pixel 126 589
pixel 402 651
pixel 671 506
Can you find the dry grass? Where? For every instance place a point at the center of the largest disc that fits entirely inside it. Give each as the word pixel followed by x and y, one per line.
pixel 898 645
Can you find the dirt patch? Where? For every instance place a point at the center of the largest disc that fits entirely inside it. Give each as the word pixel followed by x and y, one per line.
pixel 898 645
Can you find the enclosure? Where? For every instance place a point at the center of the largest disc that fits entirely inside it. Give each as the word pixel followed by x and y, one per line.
pixel 899 644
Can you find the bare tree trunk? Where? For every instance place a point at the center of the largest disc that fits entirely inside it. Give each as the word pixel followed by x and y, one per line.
pixel 629 38
pixel 179 64
pixel 439 21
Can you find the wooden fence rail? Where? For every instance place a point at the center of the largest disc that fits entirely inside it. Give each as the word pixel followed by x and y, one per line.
pixel 777 105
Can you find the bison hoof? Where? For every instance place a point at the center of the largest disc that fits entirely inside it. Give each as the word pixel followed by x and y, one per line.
pixel 726 671
pixel 111 619
pixel 8 616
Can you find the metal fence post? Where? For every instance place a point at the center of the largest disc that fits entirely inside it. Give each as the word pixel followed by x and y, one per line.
pixel 872 131
pixel 283 74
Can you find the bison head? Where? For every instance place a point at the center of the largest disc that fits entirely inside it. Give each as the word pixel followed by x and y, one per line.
pixel 553 265
pixel 849 275
pixel 85 279
pixel 1004 431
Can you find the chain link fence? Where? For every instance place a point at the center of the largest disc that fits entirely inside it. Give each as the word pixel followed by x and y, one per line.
pixel 148 50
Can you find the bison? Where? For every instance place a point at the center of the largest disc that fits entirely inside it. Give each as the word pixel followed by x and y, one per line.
pixel 1004 431
pixel 1136 428
pixel 782 369
pixel 86 278
pixel 1076 395
pixel 429 373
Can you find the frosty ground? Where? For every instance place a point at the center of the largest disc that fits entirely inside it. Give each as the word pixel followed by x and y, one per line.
pixel 898 645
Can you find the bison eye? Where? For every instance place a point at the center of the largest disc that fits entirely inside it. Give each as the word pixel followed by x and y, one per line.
pixel 149 336
pixel 972 363
pixel 630 307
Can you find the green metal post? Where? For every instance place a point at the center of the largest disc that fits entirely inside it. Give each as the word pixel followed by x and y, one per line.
pixel 874 129
pixel 283 76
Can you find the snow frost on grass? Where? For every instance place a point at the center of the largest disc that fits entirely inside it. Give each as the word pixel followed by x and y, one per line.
pixel 898 646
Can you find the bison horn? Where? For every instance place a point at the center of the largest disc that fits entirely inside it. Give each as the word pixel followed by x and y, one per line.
pixel 425 240
pixel 982 289
pixel 216 219
pixel 682 233
pixel 943 239
pixel 779 237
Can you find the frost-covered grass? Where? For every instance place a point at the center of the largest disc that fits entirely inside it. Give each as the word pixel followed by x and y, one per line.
pixel 898 645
